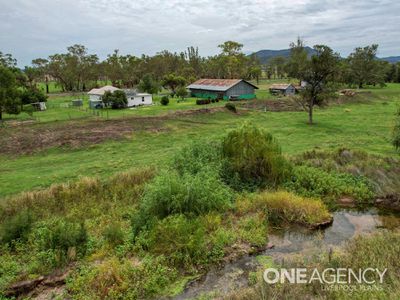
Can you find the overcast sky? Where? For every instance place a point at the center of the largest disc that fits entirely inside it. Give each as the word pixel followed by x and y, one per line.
pixel 37 28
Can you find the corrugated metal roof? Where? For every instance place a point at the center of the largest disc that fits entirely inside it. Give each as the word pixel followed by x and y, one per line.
pixel 102 90
pixel 220 85
pixel 280 86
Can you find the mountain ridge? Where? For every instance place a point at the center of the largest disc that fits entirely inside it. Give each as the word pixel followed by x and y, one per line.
pixel 266 54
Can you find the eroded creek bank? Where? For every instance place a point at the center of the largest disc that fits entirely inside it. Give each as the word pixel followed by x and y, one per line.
pixel 289 242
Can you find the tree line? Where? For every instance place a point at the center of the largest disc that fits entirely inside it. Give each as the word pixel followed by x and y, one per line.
pixel 79 70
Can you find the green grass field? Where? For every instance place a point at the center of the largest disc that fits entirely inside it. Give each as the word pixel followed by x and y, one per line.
pixel 366 126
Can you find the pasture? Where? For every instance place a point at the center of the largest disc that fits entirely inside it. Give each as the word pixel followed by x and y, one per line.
pixel 361 123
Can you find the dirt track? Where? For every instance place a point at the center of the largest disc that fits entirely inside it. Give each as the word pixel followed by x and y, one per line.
pixel 74 134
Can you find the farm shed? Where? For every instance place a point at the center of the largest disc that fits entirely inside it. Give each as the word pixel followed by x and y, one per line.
pixel 223 88
pixel 95 95
pixel 39 106
pixel 283 89
pixel 138 99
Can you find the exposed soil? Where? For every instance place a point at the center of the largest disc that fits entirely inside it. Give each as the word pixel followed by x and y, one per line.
pixel 75 134
pixel 276 105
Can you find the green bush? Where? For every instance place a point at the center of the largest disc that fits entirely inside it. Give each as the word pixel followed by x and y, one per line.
pixel 16 227
pixel 65 239
pixel 313 182
pixel 164 100
pixel 231 107
pixel 182 240
pixel 203 101
pixel 116 99
pixel 121 279
pixel 253 159
pixel 188 194
pixel 113 234
pixel 198 156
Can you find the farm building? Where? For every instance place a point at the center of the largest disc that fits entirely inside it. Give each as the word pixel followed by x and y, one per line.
pixel 223 89
pixel 283 89
pixel 95 95
pixel 137 99
pixel 134 98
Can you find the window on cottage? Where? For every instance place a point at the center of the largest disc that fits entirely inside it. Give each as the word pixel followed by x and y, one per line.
pixel 142 99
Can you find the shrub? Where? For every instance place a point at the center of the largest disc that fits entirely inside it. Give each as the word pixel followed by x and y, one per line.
pixel 188 194
pixel 164 100
pixel 65 238
pixel 198 156
pixel 181 92
pixel 283 207
pixel 16 227
pixel 313 182
pixel 180 239
pixel 28 109
pixel 253 159
pixel 113 234
pixel 231 107
pixel 203 101
pixel 253 229
pixel 116 99
pixel 122 279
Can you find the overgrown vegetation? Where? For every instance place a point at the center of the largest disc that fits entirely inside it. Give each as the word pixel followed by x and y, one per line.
pixel 253 159
pixel 283 208
pixel 379 250
pixel 145 233
pixel 330 186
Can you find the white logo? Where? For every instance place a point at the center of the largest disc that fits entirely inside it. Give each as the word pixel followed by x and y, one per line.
pixel 327 276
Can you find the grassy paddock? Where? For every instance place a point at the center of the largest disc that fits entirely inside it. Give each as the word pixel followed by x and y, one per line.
pixel 360 126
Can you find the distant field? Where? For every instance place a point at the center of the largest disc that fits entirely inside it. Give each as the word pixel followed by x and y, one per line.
pixel 59 108
pixel 365 126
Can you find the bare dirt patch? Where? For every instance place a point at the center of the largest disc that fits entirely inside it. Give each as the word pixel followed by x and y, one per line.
pixel 276 105
pixel 78 133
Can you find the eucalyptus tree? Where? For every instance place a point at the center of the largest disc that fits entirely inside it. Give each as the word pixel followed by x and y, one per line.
pixel 364 66
pixel 319 73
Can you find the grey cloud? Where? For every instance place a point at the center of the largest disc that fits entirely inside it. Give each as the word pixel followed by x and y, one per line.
pixel 32 29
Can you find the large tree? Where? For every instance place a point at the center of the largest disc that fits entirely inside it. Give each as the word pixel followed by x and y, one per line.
pixel 9 101
pixel 172 82
pixel 41 67
pixel 73 70
pixel 149 85
pixel 365 68
pixel 297 60
pixel 319 74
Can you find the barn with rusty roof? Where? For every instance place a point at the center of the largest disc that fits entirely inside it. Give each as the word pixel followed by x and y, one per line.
pixel 223 89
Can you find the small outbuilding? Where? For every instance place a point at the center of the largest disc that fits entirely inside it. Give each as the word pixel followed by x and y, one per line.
pixel 95 95
pixel 223 89
pixel 138 99
pixel 283 89
pixel 39 106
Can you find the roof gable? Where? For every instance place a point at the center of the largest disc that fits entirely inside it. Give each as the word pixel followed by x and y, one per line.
pixel 102 90
pixel 221 85
pixel 281 86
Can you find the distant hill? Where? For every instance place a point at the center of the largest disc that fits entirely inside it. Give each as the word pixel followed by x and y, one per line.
pixel 391 59
pixel 266 55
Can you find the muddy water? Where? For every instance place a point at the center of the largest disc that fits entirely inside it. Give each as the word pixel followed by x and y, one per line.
pixel 288 243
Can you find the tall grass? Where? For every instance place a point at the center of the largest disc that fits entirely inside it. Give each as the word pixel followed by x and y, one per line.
pixel 286 208
pixel 379 250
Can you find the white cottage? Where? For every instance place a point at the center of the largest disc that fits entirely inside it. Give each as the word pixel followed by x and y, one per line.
pixel 138 99
pixel 95 95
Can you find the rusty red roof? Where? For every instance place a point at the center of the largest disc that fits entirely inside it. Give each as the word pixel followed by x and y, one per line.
pixel 216 84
